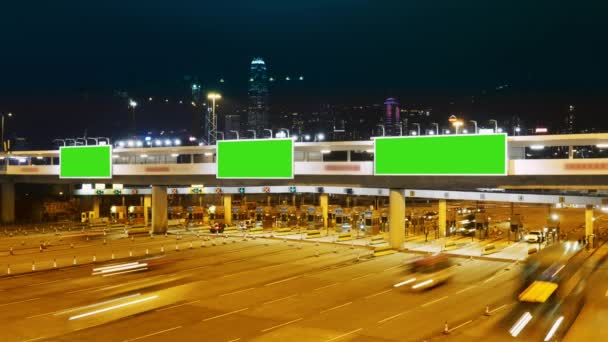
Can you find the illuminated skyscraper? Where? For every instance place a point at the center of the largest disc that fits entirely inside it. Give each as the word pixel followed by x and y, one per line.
pixel 570 121
pixel 257 114
pixel 392 119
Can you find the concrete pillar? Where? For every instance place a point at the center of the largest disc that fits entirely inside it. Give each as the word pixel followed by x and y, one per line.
pixel 323 202
pixel 147 203
pixel 570 152
pixel 442 217
pixel 589 222
pixel 396 218
pixel 8 202
pixel 268 200
pixel 96 205
pixel 227 209
pixel 293 200
pixel 159 209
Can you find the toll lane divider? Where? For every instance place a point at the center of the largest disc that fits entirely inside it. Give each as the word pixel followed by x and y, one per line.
pixel 315 233
pixel 383 250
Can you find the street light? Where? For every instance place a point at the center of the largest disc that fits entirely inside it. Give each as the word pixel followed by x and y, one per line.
pixel 269 130
pixel 132 106
pixel 495 125
pixel 320 137
pixel 475 124
pixel 286 130
pixel 307 137
pixel 212 133
pixel 517 130
pixel 417 128
pixel 457 124
pixel 436 127
pixel 236 133
pixel 400 128
pixel 10 115
pixel 383 131
pixel 252 131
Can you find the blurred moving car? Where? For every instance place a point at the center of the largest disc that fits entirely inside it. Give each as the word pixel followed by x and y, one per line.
pixel 428 272
pixel 217 228
pixel 534 236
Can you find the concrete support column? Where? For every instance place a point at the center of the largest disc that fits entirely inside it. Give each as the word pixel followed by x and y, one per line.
pixel 96 205
pixel 159 209
pixel 570 152
pixel 147 204
pixel 8 202
pixel 396 218
pixel 589 223
pixel 442 217
pixel 293 200
pixel 227 209
pixel 324 203
pixel 268 200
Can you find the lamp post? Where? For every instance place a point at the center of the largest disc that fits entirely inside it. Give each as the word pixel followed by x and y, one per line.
pixel 475 125
pixel 286 130
pixel 252 131
pixel 212 132
pixel 417 128
pixel 218 132
pixel 236 133
pixel 495 125
pixel 3 142
pixel 400 128
pixel 269 130
pixel 383 131
pixel 457 124
pixel 319 137
pixel 436 127
pixel 132 106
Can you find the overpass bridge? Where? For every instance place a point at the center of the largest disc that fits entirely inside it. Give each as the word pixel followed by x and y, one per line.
pixel 346 164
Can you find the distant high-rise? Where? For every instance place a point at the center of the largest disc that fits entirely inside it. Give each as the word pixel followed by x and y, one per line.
pixel 257 114
pixel 392 119
pixel 570 121
pixel 232 122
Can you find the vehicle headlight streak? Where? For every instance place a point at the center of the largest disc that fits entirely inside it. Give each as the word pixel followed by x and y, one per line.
pixel 554 328
pixel 90 313
pixel 422 284
pixel 520 324
pixel 405 282
pixel 120 269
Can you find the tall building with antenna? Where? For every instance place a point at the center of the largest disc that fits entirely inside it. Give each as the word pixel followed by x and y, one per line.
pixel 258 107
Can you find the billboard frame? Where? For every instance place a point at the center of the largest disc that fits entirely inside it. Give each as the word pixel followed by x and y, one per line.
pixel 87 146
pixel 217 156
pixel 506 164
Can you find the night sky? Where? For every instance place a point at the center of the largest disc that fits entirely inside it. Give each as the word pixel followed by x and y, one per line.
pixel 54 54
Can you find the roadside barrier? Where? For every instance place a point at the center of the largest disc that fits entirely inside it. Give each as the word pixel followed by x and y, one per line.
pixel 383 250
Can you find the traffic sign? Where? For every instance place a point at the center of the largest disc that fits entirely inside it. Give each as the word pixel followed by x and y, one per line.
pixel 117 192
pixel 338 211
pixel 311 209
pixel 267 189
pixel 283 209
pixel 292 189
pixel 259 209
pixel 242 190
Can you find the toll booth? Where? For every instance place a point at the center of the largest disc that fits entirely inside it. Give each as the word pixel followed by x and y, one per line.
pixel 517 225
pixel 339 217
pixel 196 215
pixel 259 214
pixel 371 222
pixel 87 216
pixel 213 212
pixel 331 215
pixel 176 212
pixel 283 217
pixel 136 214
pixel 118 214
pixel 314 218
pixel 384 219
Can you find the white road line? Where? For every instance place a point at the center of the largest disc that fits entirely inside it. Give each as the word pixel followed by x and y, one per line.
pixel 336 307
pixel 391 317
pixel 280 299
pixel 178 305
pixel 284 280
pixel 326 286
pixel 467 289
pixel 236 339
pixel 235 292
pixel 21 301
pixel 363 276
pixel 34 339
pixel 281 325
pixel 606 294
pixel 344 335
pixel 223 315
pixel 49 282
pixel 434 301
pixel 460 326
pixel 390 268
pixel 152 334
pixel 379 293
pixel 498 308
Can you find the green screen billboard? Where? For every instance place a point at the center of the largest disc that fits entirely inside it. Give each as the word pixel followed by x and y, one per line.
pixel 85 162
pixel 478 154
pixel 268 159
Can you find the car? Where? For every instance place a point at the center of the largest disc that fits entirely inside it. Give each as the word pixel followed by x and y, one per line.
pixel 217 228
pixel 534 236
pixel 428 272
pixel 346 227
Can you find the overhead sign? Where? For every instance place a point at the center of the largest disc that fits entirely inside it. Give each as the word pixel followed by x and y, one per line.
pixel 85 161
pixel 465 155
pixel 255 159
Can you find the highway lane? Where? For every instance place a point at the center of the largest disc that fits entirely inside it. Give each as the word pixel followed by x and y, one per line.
pixel 259 296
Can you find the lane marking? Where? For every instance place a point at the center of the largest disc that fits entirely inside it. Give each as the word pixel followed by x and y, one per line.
pixel 606 295
pixel 363 276
pixel 223 315
pixel 284 280
pixel 178 305
pixel 49 282
pixel 337 307
pixel 467 289
pixel 434 301
pixel 392 317
pixel 390 268
pixel 152 334
pixel 460 326
pixel 34 339
pixel 379 293
pixel 282 325
pixel 277 300
pixel 326 286
pixel 498 308
pixel 96 304
pixel 344 335
pixel 236 339
pixel 21 301
pixel 235 292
